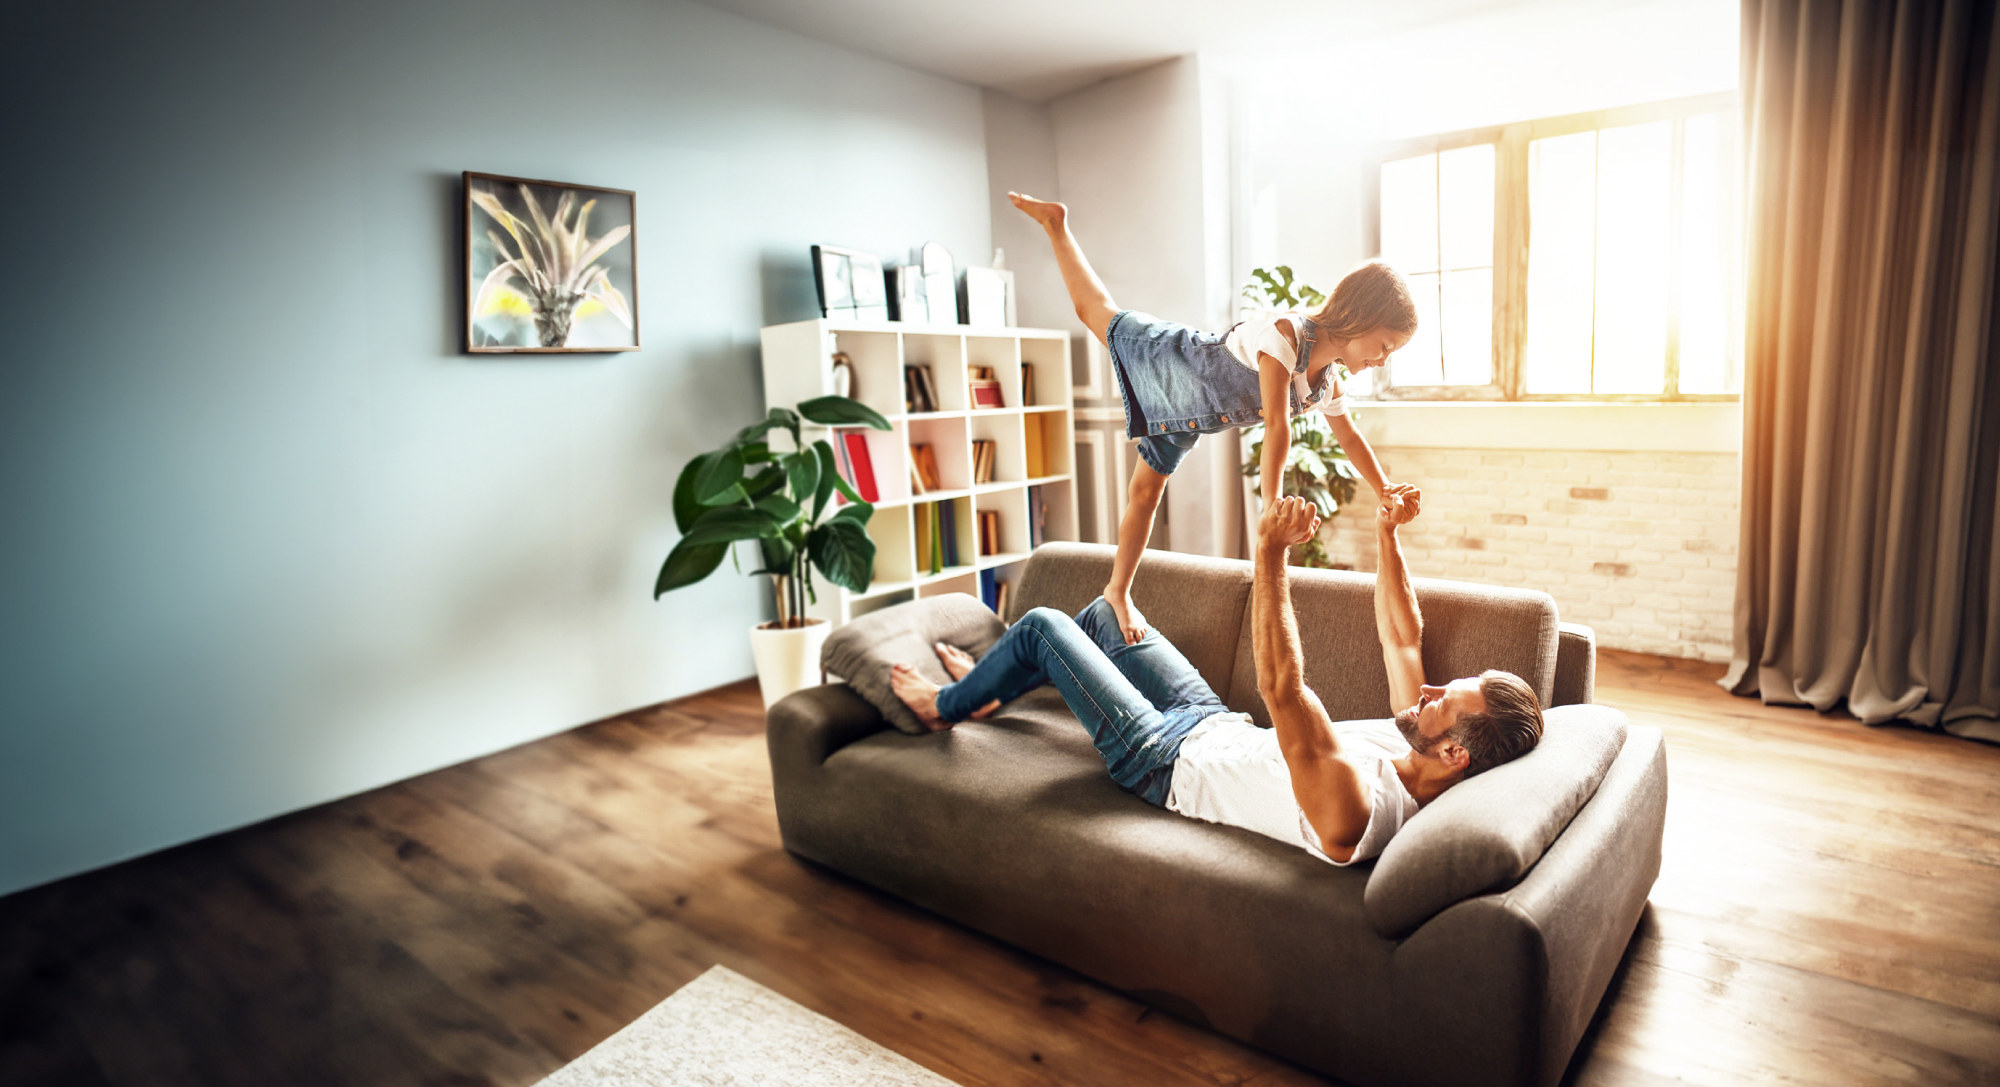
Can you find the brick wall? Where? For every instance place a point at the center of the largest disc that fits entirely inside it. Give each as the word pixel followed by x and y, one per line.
pixel 1641 546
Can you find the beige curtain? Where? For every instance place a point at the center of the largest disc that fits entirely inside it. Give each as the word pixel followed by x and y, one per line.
pixel 1871 401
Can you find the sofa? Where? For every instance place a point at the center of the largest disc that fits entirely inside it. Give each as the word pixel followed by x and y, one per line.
pixel 1473 951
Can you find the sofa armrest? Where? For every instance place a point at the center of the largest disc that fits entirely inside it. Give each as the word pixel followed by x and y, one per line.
pixel 801 731
pixel 1576 665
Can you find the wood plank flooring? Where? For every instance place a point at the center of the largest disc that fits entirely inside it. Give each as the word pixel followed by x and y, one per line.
pixel 1829 913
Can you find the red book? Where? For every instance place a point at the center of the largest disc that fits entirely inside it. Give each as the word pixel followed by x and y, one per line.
pixel 864 469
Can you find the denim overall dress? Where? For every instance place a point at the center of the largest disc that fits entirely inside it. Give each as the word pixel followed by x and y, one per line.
pixel 1179 383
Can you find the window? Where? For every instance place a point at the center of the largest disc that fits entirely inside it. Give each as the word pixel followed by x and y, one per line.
pixel 1593 256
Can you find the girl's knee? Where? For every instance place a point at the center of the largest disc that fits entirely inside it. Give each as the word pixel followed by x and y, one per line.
pixel 1044 618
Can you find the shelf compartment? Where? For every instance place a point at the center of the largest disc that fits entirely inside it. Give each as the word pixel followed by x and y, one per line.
pixel 948 442
pixel 895 555
pixel 1050 358
pixel 1003 354
pixel 1005 432
pixel 945 355
pixel 1053 427
pixel 953 581
pixel 878 368
pixel 1012 506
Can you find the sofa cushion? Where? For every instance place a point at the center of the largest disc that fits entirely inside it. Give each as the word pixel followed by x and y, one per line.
pixel 862 651
pixel 1486 832
pixel 1467 629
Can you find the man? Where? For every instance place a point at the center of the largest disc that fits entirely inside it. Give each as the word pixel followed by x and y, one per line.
pixel 1339 791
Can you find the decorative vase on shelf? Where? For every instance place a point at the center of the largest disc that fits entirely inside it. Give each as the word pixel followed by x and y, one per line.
pixel 787 657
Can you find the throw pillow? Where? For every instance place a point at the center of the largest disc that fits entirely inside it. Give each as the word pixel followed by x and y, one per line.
pixel 862 651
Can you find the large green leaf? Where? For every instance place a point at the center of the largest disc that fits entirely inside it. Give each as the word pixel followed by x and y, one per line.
pixel 829 474
pixel 779 418
pixel 769 481
pixel 686 508
pixel 842 411
pixel 857 512
pixel 719 477
pixel 727 524
pixel 803 467
pixel 783 510
pixel 844 554
pixel 777 553
pixel 688 563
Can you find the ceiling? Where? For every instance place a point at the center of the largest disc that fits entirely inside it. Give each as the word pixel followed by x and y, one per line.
pixel 1039 49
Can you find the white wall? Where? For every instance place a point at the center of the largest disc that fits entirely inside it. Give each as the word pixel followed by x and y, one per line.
pixel 270 538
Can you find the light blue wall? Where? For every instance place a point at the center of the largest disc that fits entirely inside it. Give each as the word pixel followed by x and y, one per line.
pixel 269 538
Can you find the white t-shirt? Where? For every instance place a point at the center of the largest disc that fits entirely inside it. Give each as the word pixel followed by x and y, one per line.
pixel 1231 771
pixel 1260 335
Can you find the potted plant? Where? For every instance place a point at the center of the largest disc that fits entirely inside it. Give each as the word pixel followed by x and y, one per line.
pixel 1317 468
pixel 784 501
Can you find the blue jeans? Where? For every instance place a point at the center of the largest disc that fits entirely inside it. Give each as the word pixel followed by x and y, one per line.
pixel 1137 701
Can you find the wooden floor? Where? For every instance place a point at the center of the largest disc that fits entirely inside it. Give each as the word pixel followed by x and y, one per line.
pixel 1829 913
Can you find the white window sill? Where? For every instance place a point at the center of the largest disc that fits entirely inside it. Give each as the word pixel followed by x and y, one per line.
pixel 1684 427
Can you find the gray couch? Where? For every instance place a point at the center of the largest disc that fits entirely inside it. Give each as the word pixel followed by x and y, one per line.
pixel 1473 951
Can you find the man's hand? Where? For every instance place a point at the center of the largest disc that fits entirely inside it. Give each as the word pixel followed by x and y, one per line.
pixel 1288 521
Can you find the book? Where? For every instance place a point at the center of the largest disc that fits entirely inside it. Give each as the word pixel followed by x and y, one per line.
pixel 1037 453
pixel 919 393
pixel 1000 599
pixel 937 539
pixel 948 529
pixel 983 389
pixel 924 461
pixel 923 526
pixel 989 591
pixel 985 451
pixel 916 477
pixel 860 469
pixel 1037 517
pixel 989 532
pixel 1027 384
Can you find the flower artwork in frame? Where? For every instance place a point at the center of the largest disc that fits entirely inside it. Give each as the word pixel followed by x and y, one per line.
pixel 549 267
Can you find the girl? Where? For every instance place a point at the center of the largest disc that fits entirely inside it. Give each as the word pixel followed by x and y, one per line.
pixel 1179 383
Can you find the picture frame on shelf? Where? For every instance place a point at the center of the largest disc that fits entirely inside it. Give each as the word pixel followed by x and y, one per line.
pixel 517 300
pixel 850 284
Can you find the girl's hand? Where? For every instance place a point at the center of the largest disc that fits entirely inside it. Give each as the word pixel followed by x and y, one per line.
pixel 1398 507
pixel 1408 495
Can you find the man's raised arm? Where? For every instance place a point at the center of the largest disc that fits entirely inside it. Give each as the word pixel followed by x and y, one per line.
pixel 1328 789
pixel 1398 623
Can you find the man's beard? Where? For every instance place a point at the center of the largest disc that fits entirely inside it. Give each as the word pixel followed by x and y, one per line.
pixel 1406 723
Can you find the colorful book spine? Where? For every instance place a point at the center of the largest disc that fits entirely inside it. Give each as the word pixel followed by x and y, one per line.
pixel 989 591
pixel 861 470
pixel 948 522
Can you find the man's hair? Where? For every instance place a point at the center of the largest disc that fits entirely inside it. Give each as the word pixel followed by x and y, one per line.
pixel 1510 727
pixel 1371 297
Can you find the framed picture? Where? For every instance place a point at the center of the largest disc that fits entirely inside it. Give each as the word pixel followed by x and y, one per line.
pixel 549 267
pixel 850 284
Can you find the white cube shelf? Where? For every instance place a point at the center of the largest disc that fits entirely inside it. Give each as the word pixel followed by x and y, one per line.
pixel 798 365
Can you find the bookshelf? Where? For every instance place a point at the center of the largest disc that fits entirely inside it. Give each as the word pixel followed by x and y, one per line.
pixel 798 365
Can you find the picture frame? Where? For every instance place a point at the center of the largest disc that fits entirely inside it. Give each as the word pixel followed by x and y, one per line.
pixel 850 284
pixel 551 267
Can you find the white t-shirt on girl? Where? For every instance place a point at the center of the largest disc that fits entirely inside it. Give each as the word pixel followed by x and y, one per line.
pixel 1260 335
pixel 1231 771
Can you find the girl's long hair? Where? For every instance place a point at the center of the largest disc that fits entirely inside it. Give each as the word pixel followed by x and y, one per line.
pixel 1373 296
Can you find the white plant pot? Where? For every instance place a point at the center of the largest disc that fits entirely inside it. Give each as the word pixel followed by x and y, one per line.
pixel 787 660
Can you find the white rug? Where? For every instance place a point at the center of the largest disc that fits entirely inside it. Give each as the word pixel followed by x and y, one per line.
pixel 722 1029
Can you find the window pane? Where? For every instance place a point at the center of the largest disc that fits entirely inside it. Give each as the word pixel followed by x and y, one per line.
pixel 1562 206
pixel 1418 363
pixel 1466 304
pixel 1709 247
pixel 1465 207
pixel 1409 214
pixel 1634 210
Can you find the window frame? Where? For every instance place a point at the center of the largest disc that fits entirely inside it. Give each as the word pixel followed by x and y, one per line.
pixel 1510 244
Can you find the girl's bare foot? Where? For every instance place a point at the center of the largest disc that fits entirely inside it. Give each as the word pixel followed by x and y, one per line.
pixel 958 663
pixel 1130 622
pixel 918 693
pixel 1050 214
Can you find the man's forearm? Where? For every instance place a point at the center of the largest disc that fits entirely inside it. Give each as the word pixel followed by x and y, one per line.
pixel 1395 600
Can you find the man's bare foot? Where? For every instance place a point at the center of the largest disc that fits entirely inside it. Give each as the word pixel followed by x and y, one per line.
pixel 1050 214
pixel 1130 623
pixel 918 693
pixel 958 664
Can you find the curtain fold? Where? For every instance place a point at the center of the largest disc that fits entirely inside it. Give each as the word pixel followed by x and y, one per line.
pixel 1871 403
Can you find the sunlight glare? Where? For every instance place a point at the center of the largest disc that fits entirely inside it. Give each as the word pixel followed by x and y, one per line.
pixel 1562 212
